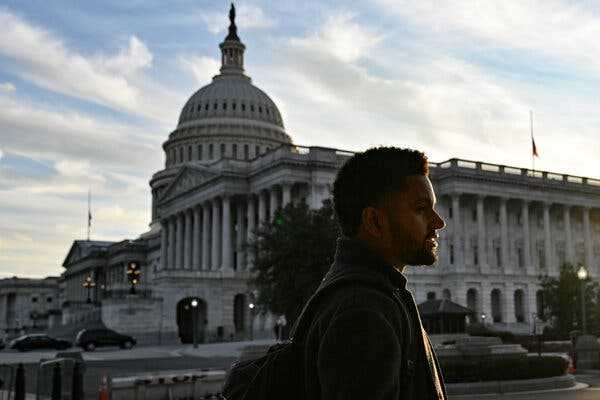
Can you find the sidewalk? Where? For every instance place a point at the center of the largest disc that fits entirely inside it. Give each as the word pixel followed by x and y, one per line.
pixel 224 349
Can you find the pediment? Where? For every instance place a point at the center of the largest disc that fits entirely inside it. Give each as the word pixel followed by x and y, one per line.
pixel 187 179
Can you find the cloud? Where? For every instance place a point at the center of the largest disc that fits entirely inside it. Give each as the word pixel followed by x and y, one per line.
pixel 341 37
pixel 565 32
pixel 7 87
pixel 200 67
pixel 114 81
pixel 247 16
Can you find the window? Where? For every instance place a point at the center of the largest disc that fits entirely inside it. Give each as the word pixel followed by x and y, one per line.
pixel 451 254
pixel 252 107
pixel 233 106
pixel 243 107
pixel 181 154
pixel 224 106
pixel 541 257
pixel 475 255
pixel 519 218
pixel 449 212
pixel 246 152
pixel 222 150
pixel 497 216
pixel 34 299
pixel 260 109
pixel 48 299
pixel 257 150
pixel 199 152
pixel 214 106
pixel 199 107
pixel 474 215
pixel 206 107
pixel 189 153
pixel 430 295
pixel 234 150
pixel 210 151
pixel 498 256
pixel 520 257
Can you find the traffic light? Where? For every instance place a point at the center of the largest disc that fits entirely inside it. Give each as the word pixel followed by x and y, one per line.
pixel 134 275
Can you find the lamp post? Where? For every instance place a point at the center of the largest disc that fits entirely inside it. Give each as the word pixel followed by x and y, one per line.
pixel 582 275
pixel 133 275
pixel 194 305
pixel 88 284
pixel 251 306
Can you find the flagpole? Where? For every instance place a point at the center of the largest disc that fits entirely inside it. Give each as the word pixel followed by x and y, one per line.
pixel 89 222
pixel 531 130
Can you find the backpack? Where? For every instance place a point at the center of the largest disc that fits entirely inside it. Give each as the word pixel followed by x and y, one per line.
pixel 279 374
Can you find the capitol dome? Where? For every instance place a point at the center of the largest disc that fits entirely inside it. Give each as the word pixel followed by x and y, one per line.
pixel 228 118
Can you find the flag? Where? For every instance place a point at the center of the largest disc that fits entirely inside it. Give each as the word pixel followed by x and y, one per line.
pixel 534 152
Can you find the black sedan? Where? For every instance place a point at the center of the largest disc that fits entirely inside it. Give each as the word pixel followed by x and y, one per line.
pixel 38 341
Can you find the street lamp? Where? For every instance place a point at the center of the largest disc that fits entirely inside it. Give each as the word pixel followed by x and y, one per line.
pixel 194 304
pixel 133 275
pixel 483 319
pixel 582 275
pixel 251 306
pixel 88 284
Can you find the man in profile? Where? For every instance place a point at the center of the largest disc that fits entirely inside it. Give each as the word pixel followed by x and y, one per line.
pixel 366 341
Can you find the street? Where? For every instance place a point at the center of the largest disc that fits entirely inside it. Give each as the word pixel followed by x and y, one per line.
pixel 116 362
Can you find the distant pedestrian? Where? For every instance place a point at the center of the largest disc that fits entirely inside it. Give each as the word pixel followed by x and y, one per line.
pixel 366 340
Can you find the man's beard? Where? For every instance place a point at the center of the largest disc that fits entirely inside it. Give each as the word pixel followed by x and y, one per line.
pixel 414 253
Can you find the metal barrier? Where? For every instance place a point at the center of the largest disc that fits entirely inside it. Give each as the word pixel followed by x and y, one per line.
pixel 192 384
pixel 60 379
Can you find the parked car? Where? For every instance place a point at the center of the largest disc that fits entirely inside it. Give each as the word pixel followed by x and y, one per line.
pixel 38 341
pixel 89 339
pixel 2 344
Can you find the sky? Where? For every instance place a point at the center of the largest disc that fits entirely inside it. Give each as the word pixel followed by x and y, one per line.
pixel 89 91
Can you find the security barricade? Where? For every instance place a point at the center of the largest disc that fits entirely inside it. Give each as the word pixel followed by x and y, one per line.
pixel 191 384
pixel 60 379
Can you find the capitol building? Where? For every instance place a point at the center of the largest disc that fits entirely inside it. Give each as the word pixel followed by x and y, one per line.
pixel 230 164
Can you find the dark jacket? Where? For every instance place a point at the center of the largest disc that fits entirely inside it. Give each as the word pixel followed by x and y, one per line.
pixel 354 343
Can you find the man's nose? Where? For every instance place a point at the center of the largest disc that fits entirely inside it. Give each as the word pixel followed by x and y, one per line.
pixel 438 221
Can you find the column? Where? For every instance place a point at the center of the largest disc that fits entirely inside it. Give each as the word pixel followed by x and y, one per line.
pixel 568 234
pixel 164 226
pixel 273 202
pixel 262 208
pixel 179 242
pixel 226 231
pixel 239 235
pixel 314 191
pixel 172 231
pixel 509 304
pixel 205 236
pixel 587 242
pixel 507 266
pixel 481 238
pixel 250 231
pixel 196 241
pixel 187 241
pixel 526 238
pixel 286 194
pixel 215 234
pixel 550 264
pixel 457 233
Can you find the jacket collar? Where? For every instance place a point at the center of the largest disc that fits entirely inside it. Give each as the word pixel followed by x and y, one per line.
pixel 353 253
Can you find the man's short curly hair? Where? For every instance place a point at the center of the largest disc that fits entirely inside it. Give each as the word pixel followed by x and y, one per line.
pixel 366 178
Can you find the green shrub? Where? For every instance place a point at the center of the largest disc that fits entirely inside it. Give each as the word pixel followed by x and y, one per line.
pixel 482 370
pixel 478 329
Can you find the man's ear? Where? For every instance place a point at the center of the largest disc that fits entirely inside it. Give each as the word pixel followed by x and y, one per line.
pixel 372 221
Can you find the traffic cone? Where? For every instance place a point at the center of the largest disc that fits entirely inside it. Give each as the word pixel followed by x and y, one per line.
pixel 570 367
pixel 103 390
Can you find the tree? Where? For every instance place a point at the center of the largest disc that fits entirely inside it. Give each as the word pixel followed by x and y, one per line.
pixel 562 297
pixel 292 254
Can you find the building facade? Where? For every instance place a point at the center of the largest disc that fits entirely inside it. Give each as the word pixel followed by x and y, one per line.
pixel 28 305
pixel 230 165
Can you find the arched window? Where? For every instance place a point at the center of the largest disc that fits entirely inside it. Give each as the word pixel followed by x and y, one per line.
pixel 234 150
pixel 211 153
pixel 181 154
pixel 199 152
pixel 496 305
pixel 472 302
pixel 246 152
pixel 257 151
pixel 222 150
pixel 519 305
pixel 431 295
